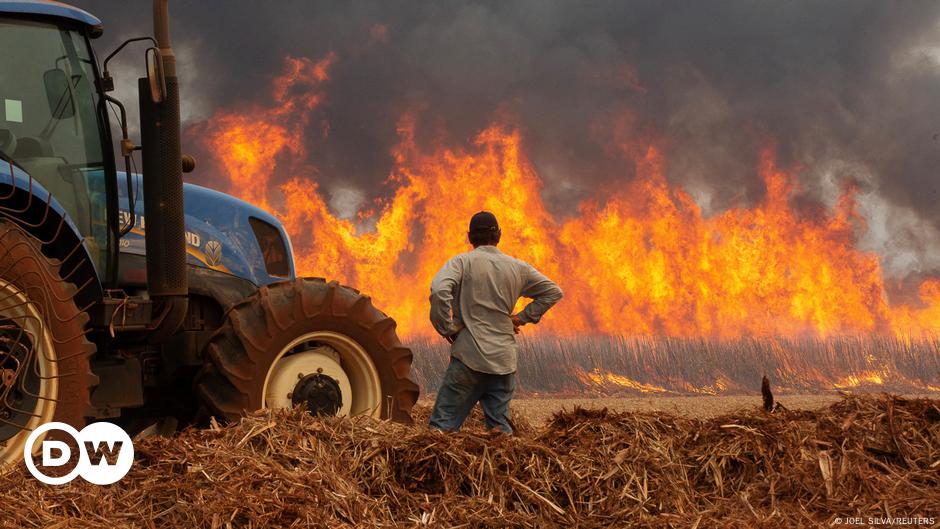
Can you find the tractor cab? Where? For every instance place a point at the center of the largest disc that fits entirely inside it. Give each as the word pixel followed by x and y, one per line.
pixel 50 126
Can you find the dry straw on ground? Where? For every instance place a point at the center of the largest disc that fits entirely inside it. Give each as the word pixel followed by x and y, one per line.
pixel 865 456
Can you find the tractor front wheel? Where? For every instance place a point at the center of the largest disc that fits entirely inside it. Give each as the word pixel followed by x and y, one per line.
pixel 311 343
pixel 44 355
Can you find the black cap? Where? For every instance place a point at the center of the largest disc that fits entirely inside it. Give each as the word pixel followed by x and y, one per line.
pixel 482 222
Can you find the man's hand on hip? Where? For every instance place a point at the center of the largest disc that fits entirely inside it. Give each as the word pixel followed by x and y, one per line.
pixel 516 323
pixel 453 337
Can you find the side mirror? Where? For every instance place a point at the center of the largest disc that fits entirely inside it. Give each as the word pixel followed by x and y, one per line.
pixel 58 93
pixel 155 77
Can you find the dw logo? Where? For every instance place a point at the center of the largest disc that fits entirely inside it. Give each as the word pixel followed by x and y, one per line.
pixel 105 453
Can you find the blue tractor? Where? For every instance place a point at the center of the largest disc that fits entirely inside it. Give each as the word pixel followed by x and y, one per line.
pixel 138 298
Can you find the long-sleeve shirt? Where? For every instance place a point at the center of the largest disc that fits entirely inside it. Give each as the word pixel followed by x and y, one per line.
pixel 473 296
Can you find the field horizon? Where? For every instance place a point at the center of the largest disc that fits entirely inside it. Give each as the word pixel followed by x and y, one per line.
pixel 623 366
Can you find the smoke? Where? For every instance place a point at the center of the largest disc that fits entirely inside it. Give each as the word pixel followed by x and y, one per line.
pixel 842 89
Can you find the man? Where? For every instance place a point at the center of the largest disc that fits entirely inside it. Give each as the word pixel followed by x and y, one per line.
pixel 472 299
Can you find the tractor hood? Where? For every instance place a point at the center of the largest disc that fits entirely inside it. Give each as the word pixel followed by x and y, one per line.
pixel 223 233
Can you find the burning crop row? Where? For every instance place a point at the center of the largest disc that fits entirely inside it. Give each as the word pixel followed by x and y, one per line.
pixel 660 366
pixel 640 258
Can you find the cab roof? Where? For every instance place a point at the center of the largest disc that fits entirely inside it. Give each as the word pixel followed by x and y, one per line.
pixel 48 8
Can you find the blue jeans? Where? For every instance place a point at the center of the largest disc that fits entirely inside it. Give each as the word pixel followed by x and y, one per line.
pixel 462 388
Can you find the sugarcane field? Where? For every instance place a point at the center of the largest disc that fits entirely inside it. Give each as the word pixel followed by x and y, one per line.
pixel 469 264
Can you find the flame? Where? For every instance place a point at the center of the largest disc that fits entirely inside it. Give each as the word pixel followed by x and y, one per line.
pixel 639 259
pixel 608 379
pixel 856 380
pixel 720 385
pixel 249 141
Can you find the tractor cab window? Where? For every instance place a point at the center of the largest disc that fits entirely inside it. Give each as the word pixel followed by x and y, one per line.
pixel 273 249
pixel 48 120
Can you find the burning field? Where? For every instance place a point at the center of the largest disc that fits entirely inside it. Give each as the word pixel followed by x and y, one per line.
pixel 724 192
pixel 638 258
pixel 660 296
pixel 873 459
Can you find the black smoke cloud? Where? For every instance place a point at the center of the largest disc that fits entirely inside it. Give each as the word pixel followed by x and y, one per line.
pixel 842 89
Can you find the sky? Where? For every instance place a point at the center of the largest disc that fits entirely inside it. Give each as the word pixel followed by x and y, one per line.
pixel 842 90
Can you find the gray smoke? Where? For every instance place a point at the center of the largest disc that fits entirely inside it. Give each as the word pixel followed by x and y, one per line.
pixel 842 89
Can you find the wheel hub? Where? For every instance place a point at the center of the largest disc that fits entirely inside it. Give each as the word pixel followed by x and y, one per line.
pixel 312 377
pixel 320 393
pixel 19 384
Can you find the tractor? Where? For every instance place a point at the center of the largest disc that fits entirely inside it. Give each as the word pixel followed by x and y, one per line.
pixel 134 297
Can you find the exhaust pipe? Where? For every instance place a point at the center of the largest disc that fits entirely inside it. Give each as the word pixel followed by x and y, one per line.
pixel 163 190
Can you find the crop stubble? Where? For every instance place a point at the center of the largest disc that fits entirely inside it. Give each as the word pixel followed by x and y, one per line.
pixel 863 455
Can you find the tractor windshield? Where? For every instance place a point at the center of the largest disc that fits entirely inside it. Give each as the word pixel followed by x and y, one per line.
pixel 48 120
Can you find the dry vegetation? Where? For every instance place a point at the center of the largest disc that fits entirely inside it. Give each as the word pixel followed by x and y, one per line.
pixel 866 456
pixel 605 365
pixel 538 411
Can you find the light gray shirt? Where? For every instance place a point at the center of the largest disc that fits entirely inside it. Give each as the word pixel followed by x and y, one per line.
pixel 485 283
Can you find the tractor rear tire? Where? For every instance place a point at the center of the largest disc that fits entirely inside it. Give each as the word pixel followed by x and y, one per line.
pixel 44 353
pixel 297 317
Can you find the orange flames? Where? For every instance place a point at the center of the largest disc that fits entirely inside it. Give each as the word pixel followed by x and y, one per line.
pixel 249 143
pixel 605 379
pixel 639 259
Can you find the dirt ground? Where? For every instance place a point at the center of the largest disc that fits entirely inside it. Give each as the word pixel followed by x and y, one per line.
pixel 537 410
